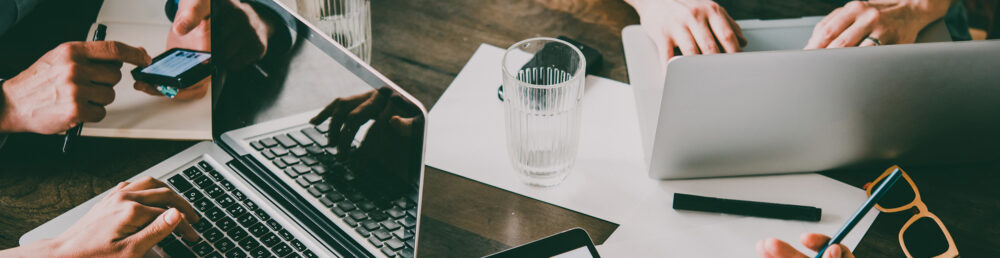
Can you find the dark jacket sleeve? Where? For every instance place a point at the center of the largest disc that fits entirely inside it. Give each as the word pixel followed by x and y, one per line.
pixel 12 11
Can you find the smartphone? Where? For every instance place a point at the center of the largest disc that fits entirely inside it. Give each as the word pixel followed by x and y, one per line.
pixel 175 70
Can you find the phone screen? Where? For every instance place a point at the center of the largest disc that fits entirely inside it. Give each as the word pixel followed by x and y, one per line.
pixel 177 63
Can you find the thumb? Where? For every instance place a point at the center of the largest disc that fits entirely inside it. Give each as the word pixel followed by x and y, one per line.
pixel 190 13
pixel 157 230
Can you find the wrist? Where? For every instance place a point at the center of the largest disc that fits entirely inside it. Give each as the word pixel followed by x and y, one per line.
pixel 6 123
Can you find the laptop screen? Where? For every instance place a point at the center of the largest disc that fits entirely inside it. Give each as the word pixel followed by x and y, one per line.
pixel 368 162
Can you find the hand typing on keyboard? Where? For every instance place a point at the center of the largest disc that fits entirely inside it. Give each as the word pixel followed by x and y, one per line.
pixel 128 222
pixel 392 143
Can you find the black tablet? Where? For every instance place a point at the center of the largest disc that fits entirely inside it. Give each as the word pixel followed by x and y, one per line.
pixel 573 243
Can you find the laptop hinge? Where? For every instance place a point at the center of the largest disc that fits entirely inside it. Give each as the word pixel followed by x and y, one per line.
pixel 295 206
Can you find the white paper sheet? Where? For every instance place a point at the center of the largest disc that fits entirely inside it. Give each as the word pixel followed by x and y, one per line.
pixel 135 114
pixel 466 137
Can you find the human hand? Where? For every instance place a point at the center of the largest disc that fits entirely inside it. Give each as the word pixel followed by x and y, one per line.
pixel 192 29
pixel 68 85
pixel 391 145
pixel 693 26
pixel 128 222
pixel 887 21
pixel 774 248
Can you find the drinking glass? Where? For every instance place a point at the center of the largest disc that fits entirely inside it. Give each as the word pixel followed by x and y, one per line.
pixel 346 21
pixel 543 82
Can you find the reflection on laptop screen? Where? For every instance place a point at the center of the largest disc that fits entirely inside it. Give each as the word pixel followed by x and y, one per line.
pixel 360 166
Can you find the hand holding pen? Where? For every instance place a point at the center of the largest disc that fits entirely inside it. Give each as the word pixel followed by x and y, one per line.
pixel 68 85
pixel 97 70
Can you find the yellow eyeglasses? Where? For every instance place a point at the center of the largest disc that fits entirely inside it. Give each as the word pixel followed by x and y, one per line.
pixel 923 235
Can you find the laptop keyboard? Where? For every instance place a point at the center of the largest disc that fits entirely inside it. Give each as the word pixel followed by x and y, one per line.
pixel 231 224
pixel 386 220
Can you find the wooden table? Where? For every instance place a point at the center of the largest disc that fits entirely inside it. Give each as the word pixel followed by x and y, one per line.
pixel 422 45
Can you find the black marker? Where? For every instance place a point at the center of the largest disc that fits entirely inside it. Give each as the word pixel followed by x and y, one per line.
pixel 74 132
pixel 746 208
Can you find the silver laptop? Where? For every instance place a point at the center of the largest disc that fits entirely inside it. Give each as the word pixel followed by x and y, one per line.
pixel 783 110
pixel 270 186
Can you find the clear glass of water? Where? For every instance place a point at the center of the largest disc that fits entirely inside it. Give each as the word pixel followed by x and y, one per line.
pixel 346 21
pixel 543 83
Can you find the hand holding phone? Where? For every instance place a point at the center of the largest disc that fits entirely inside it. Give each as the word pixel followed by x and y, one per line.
pixel 175 70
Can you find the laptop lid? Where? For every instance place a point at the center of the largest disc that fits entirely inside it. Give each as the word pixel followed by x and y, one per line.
pixel 312 73
pixel 647 78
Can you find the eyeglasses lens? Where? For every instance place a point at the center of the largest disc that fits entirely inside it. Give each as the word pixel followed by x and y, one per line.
pixel 924 238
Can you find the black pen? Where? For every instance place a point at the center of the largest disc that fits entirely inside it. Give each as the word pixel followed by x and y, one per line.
pixel 74 132
pixel 889 181
pixel 746 208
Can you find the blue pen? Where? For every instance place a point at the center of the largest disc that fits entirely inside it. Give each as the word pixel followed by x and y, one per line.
pixel 889 182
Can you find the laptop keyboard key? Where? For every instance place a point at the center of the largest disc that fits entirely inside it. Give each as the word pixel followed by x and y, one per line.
pixel 226 224
pixel 239 195
pixel 260 252
pixel 246 220
pixel 258 229
pixel 309 161
pixel 395 244
pixel 180 183
pixel 205 166
pixel 213 235
pixel 300 138
pixel 215 214
pixel 270 239
pixel 302 182
pixel 268 154
pixel 390 225
pixel 409 222
pixel 236 210
pixel 370 225
pixel 226 185
pixel 203 204
pixel 203 181
pixel 237 234
pixel 337 211
pixel 285 141
pixel 216 175
pixel 346 206
pixel 202 225
pixel 282 249
pixel 249 243
pixel 381 234
pixel 298 245
pixel 387 251
pixel 358 215
pixel 269 142
pixel 202 249
pixel 176 249
pixel 225 201
pixel 224 245
pixel 316 136
pixel 363 232
pixel 214 255
pixel 279 151
pixel 298 151
pixel 290 160
pixel 375 241
pixel 257 145
pixel 309 254
pixel 192 172
pixel 235 253
pixel 273 224
pixel 285 234
pixel 214 191
pixel 315 150
pixel 326 201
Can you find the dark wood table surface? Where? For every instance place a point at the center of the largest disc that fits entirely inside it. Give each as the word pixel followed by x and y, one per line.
pixel 422 45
